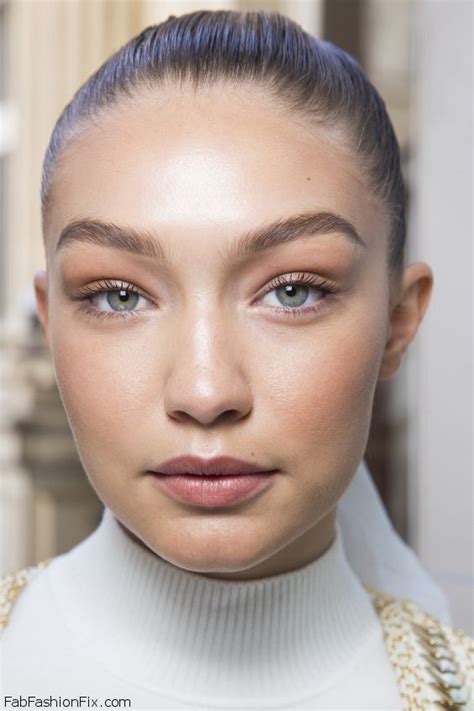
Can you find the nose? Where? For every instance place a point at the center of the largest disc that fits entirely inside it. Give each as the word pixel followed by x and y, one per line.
pixel 206 382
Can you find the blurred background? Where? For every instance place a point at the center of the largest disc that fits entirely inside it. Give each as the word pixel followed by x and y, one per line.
pixel 418 53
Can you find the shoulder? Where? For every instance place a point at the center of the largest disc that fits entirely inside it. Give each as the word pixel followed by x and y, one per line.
pixel 11 585
pixel 433 661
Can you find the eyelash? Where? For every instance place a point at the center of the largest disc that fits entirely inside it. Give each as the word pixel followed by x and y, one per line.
pixel 302 279
pixel 103 287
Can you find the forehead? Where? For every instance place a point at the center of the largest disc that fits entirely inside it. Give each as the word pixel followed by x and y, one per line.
pixel 211 163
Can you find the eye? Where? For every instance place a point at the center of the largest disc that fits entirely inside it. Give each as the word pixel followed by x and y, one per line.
pixel 111 299
pixel 298 294
pixel 291 295
pixel 117 300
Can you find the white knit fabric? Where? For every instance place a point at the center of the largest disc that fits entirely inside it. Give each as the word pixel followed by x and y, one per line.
pixel 110 619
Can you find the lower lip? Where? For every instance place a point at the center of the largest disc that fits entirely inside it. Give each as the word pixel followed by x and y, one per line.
pixel 213 490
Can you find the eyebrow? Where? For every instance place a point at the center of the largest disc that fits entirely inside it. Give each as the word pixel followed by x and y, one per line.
pixel 146 244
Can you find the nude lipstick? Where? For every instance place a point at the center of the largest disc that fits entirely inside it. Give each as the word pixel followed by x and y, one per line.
pixel 220 481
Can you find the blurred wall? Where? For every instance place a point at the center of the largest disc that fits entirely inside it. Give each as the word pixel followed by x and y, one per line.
pixel 440 359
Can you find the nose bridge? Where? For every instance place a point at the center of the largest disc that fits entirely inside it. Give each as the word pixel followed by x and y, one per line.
pixel 206 376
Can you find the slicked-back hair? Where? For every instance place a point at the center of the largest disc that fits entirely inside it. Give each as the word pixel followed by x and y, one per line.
pixel 314 79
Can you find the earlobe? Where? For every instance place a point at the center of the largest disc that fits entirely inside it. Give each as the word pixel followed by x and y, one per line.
pixel 406 316
pixel 41 292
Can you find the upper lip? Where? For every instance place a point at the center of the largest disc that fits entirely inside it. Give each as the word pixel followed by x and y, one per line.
pixel 213 466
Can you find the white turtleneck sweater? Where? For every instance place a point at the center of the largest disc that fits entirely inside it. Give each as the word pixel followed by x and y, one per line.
pixel 111 620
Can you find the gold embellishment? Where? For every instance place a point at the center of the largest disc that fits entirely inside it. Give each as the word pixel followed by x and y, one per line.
pixel 10 587
pixel 433 662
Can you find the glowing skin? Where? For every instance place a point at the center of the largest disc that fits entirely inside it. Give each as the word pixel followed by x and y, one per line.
pixel 208 365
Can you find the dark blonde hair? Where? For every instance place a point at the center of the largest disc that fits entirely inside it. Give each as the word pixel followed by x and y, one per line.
pixel 310 76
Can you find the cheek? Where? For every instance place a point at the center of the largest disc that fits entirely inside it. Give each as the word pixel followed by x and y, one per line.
pixel 106 386
pixel 324 392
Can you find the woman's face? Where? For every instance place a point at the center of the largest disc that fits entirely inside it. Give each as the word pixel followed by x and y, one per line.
pixel 213 355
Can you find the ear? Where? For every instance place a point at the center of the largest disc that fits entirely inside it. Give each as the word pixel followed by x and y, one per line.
pixel 406 315
pixel 41 292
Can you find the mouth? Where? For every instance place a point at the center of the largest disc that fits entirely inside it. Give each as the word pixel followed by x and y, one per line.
pixel 213 490
pixel 215 466
pixel 220 481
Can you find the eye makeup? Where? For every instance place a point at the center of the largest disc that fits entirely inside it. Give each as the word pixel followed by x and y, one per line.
pixel 122 292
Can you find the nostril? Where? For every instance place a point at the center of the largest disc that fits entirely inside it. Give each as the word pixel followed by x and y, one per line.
pixel 231 415
pixel 227 416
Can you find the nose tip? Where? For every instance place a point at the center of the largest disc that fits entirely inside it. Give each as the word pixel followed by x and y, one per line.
pixel 215 395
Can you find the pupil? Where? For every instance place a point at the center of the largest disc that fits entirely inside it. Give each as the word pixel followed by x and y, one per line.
pixel 123 295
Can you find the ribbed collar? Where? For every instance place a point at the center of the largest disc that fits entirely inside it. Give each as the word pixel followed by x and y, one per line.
pixel 208 641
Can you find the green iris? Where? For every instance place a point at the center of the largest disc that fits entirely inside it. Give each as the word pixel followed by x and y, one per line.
pixel 122 300
pixel 289 291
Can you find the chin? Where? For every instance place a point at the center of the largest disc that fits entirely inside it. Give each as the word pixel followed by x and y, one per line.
pixel 210 565
pixel 206 553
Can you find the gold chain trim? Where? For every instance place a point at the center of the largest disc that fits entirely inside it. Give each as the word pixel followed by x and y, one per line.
pixel 433 662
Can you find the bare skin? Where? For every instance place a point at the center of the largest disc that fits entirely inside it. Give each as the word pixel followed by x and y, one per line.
pixel 211 362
